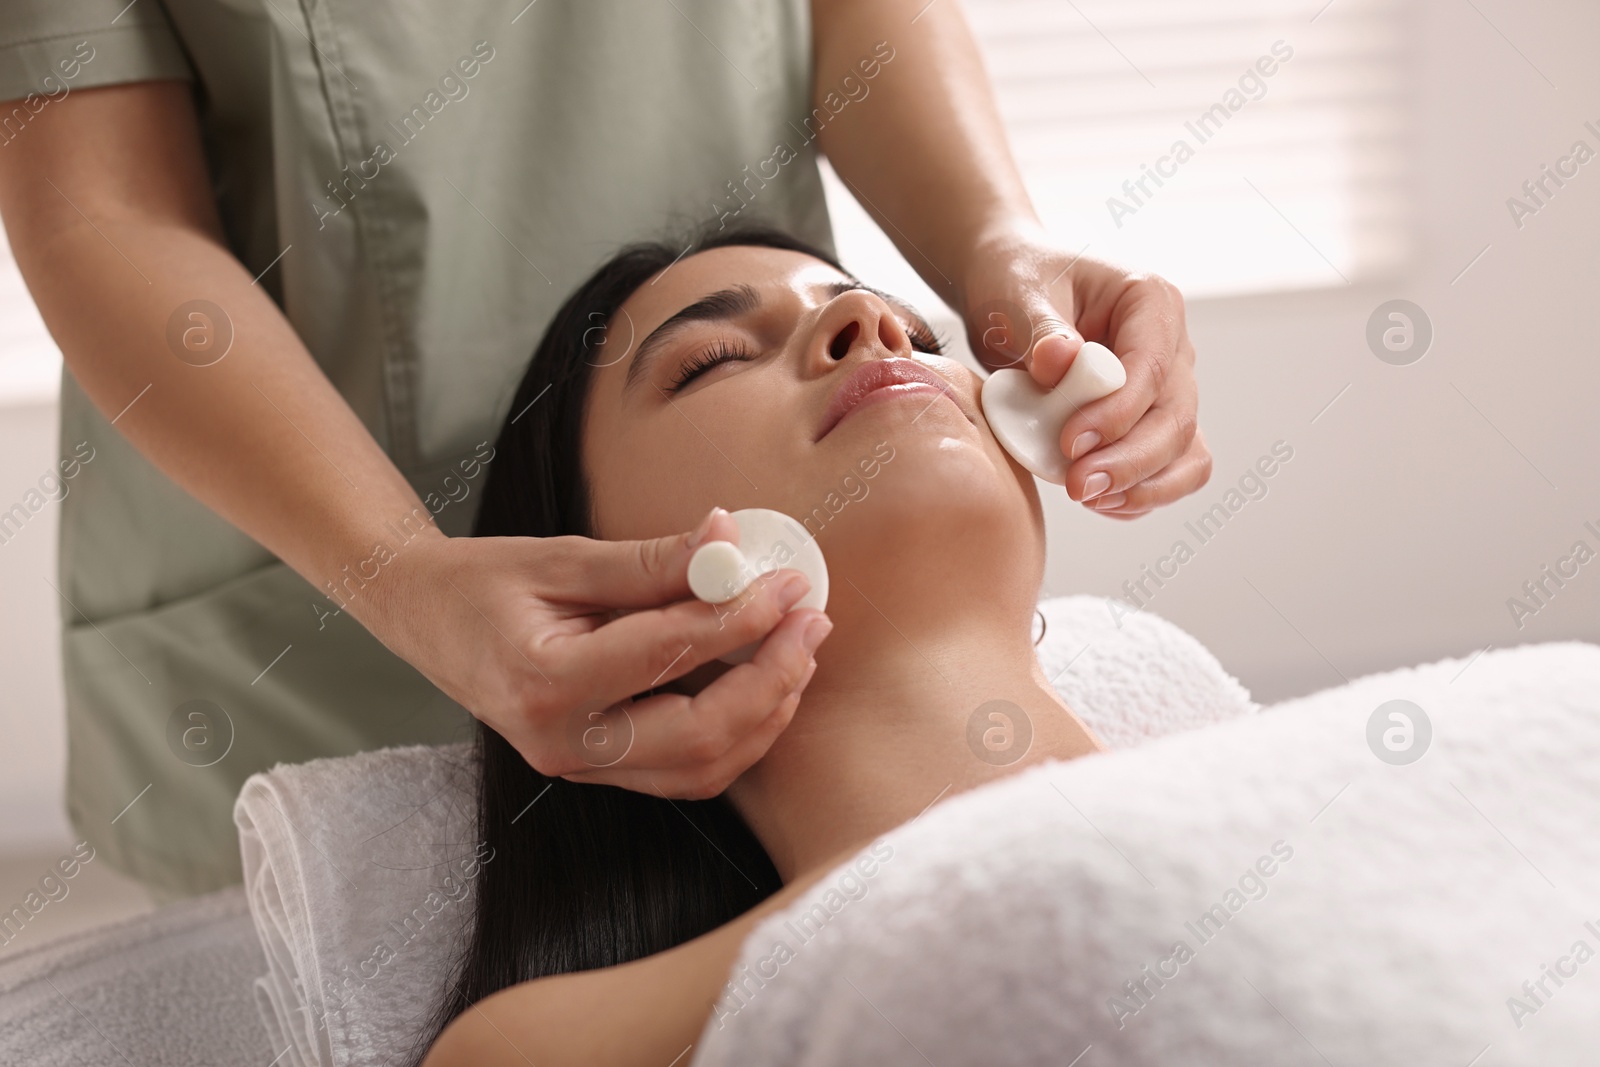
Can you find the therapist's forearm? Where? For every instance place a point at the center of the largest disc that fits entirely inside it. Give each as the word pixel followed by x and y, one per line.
pixel 109 212
pixel 924 150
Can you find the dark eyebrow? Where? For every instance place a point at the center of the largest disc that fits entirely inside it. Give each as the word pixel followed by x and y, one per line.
pixel 722 304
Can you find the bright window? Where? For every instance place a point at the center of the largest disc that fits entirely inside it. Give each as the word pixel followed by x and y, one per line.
pixel 1234 146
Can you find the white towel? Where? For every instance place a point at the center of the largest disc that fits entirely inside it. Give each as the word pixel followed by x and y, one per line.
pixel 359 873
pixel 1133 679
pixel 1268 890
pixel 345 860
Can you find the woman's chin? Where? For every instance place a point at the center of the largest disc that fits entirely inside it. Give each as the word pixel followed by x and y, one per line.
pixel 936 438
pixel 938 496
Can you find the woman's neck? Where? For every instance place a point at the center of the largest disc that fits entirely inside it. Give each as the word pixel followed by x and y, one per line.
pixel 895 719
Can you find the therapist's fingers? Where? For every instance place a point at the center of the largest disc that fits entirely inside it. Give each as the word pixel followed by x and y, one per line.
pixel 646 649
pixel 1178 479
pixel 714 778
pixel 1165 432
pixel 588 672
pixel 1044 336
pixel 1053 353
pixel 693 747
pixel 627 574
pixel 1145 328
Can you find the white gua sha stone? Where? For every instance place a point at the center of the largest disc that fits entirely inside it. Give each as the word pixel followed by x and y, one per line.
pixel 1028 420
pixel 768 540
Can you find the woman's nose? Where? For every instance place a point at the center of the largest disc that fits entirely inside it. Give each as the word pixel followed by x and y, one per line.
pixel 860 320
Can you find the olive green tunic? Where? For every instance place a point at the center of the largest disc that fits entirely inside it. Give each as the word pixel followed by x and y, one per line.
pixel 420 184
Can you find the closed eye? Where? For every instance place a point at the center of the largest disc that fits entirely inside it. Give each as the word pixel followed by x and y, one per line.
pixel 698 364
pixel 924 338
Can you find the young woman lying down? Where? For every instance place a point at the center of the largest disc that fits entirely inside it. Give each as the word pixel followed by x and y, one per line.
pixel 607 924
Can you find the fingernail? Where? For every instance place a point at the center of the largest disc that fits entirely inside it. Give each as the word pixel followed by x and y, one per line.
pixel 791 592
pixel 816 630
pixel 703 529
pixel 1105 503
pixel 1095 484
pixel 1086 440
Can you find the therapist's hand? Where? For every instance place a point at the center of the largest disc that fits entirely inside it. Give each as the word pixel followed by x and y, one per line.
pixel 525 633
pixel 1031 303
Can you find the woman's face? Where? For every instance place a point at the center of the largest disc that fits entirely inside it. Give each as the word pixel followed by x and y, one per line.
pixel 756 377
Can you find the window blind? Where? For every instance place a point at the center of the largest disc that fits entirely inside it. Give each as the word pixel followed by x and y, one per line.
pixel 1150 133
pixel 1233 145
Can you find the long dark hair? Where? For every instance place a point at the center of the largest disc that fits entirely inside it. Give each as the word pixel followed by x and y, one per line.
pixel 584 876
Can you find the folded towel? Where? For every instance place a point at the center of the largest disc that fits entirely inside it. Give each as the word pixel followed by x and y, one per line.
pixel 359 874
pixel 360 870
pixel 1282 888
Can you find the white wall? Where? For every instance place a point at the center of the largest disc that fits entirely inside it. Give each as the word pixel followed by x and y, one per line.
pixel 1407 516
pixel 32 731
pixel 1422 500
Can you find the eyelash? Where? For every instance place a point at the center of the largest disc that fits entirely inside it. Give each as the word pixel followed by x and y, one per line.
pixel 923 339
pixel 926 339
pixel 698 364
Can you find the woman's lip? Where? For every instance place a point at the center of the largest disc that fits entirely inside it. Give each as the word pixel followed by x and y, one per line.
pixel 895 376
pixel 891 392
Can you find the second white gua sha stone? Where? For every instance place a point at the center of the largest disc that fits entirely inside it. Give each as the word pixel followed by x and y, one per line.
pixel 1028 420
pixel 768 541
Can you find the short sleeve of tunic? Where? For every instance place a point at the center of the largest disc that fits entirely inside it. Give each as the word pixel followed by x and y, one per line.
pixel 48 47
